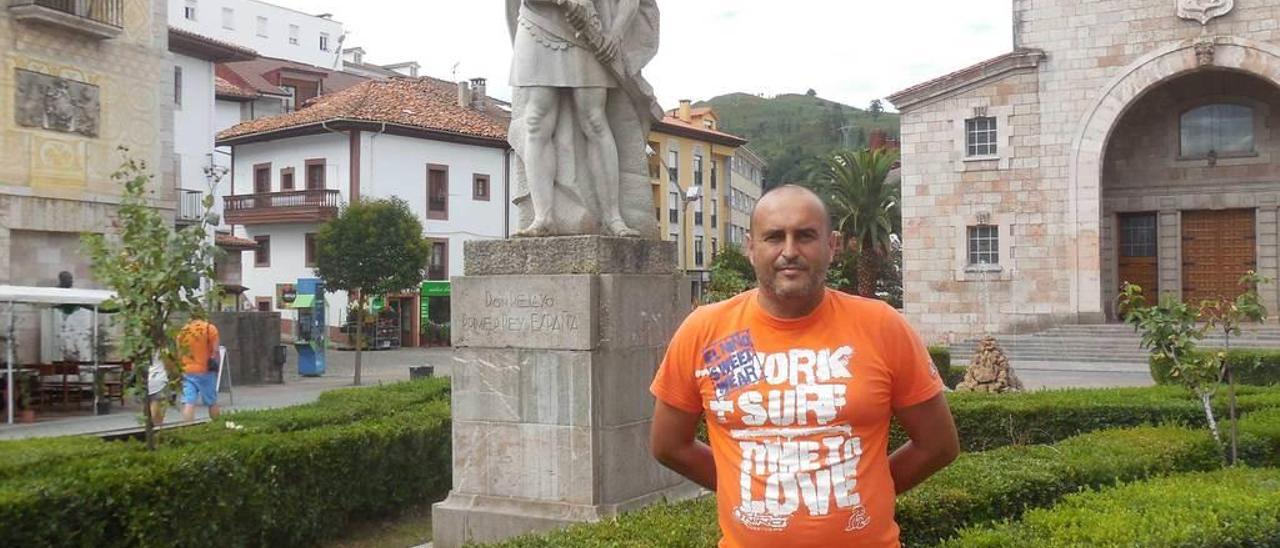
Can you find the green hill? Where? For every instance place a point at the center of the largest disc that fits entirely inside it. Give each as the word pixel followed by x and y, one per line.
pixel 788 130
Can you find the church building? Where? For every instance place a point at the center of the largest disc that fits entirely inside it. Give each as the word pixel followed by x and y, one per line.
pixel 1120 140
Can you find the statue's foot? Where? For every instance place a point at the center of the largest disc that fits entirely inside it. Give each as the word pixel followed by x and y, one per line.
pixel 537 229
pixel 618 227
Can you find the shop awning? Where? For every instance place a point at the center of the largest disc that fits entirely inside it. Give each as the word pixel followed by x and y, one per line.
pixel 303 301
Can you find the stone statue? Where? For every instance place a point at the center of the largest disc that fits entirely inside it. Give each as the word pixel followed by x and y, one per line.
pixel 581 114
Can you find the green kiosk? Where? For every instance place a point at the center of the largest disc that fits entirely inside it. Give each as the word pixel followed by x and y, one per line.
pixel 438 291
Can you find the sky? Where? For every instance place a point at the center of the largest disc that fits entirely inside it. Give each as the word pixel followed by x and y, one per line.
pixel 851 51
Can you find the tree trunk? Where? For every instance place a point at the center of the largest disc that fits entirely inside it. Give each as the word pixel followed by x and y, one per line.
pixel 1208 414
pixel 149 423
pixel 868 272
pixel 1231 401
pixel 359 335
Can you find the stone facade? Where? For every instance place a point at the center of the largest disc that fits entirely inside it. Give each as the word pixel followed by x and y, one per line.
pixel 1080 80
pixel 55 176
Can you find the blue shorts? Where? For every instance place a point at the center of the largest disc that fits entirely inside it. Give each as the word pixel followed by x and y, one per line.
pixel 200 388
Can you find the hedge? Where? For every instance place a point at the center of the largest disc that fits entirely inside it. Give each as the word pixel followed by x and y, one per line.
pixel 1003 482
pixel 1225 508
pixel 941 356
pixel 978 487
pixel 987 421
pixel 1248 366
pixel 290 477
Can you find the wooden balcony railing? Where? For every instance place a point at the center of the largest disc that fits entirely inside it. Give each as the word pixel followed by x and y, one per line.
pixel 294 206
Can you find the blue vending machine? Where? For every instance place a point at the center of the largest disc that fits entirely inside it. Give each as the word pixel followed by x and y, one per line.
pixel 310 331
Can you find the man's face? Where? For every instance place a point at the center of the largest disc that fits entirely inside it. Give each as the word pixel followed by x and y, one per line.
pixel 790 244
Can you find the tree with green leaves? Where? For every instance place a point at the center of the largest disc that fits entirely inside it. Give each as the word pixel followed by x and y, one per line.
pixel 731 274
pixel 1170 330
pixel 876 108
pixel 373 247
pixel 864 203
pixel 1225 316
pixel 159 276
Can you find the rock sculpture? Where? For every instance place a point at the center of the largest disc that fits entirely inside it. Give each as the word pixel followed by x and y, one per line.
pixel 989 370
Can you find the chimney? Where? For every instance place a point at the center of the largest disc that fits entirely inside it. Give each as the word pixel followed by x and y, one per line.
pixel 686 109
pixel 464 95
pixel 478 93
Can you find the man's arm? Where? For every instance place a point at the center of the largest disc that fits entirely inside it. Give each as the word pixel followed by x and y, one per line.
pixel 673 441
pixel 933 444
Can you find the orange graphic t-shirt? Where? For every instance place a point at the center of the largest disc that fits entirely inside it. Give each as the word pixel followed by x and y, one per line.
pixel 798 415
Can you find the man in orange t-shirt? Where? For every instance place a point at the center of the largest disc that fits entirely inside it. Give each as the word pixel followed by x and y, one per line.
pixel 798 383
pixel 199 340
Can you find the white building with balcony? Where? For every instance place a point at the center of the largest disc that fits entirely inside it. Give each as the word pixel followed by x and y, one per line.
pixel 434 144
pixel 271 30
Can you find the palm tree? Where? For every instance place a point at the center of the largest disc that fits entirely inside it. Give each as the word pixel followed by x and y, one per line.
pixel 864 202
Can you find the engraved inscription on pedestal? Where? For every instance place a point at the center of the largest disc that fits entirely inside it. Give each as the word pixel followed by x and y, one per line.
pixel 546 312
pixel 56 104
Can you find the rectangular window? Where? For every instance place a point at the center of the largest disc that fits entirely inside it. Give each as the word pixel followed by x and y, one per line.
pixel 697 212
pixel 293 34
pixel 480 187
pixel 261 178
pixel 715 212
pixel 714 173
pixel 324 41
pixel 228 18
pixel 286 179
pixel 262 253
pixel 262 26
pixel 177 86
pixel 697 170
pixel 1138 236
pixel 438 264
pixel 715 248
pixel 309 249
pixel 674 203
pixel 263 304
pixel 673 166
pixel 697 250
pixel 315 174
pixel 980 136
pixel 984 245
pixel 189 11
pixel 437 192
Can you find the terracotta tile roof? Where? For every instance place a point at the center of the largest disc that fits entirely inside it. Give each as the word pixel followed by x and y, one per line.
pixel 672 122
pixel 225 88
pixel 204 47
pixel 231 242
pixel 255 73
pixel 421 103
pixel 246 79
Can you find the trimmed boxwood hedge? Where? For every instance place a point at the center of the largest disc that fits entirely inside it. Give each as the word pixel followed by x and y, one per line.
pixel 1224 508
pixel 290 477
pixel 982 487
pixel 986 421
pixel 1249 366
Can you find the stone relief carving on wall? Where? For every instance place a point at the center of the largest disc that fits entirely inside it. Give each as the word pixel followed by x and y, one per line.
pixel 57 104
pixel 1204 10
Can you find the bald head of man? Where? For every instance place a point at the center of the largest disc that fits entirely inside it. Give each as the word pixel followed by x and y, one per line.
pixel 790 246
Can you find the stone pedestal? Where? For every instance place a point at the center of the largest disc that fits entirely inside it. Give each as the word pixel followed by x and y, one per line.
pixel 556 341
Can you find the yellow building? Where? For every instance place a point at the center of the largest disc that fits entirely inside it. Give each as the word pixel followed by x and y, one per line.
pixel 77 81
pixel 690 167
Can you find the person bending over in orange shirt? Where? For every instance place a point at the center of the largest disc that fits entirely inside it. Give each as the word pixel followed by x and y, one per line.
pixel 797 383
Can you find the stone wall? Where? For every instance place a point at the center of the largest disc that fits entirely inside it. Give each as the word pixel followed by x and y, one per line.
pixel 1100 58
pixel 60 182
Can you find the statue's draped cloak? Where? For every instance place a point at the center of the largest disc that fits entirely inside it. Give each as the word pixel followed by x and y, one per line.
pixel 544 33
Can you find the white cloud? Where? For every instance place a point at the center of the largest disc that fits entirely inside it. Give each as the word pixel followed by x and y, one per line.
pixel 851 51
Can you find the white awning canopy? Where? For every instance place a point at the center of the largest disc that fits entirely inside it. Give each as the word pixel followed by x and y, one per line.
pixel 53 295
